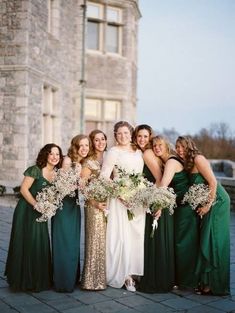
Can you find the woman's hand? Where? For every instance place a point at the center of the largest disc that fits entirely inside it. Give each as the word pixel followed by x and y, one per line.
pixel 157 214
pixel 124 203
pixel 203 210
pixel 99 205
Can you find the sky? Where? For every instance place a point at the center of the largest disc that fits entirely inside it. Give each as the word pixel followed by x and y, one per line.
pixel 186 64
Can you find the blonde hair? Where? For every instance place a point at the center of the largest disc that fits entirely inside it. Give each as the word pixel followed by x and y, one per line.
pixel 169 146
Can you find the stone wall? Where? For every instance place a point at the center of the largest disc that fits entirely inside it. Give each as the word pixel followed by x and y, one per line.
pixel 32 57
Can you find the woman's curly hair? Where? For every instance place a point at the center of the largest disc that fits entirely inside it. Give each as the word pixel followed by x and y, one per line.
pixel 75 145
pixel 191 151
pixel 42 157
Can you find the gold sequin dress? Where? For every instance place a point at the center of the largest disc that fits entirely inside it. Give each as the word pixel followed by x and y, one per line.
pixel 94 272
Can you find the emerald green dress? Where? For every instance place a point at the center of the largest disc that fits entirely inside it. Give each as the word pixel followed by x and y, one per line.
pixel 66 225
pixel 186 225
pixel 213 262
pixel 28 266
pixel 159 269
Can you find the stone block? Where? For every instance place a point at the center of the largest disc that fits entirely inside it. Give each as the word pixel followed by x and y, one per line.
pixel 21 102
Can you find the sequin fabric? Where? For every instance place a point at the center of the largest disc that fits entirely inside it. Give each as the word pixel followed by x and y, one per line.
pixel 94 273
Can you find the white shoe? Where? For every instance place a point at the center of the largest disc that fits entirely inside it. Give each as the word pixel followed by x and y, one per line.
pixel 130 284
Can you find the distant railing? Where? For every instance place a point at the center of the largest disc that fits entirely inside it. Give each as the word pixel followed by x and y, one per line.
pixel 225 173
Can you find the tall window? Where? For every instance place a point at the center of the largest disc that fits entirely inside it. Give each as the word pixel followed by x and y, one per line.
pixel 53 20
pixel 50 116
pixel 104 28
pixel 100 113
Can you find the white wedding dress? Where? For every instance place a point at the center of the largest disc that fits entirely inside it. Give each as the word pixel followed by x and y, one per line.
pixel 124 238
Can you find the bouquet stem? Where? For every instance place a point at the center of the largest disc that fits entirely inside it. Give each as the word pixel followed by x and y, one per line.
pixel 130 215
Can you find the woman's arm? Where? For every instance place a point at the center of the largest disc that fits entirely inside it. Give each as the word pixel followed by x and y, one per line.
pixel 24 190
pixel 154 164
pixel 204 168
pixel 171 167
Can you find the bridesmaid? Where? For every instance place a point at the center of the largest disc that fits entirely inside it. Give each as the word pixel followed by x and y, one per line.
pixel 159 250
pixel 28 266
pixel 94 273
pixel 185 219
pixel 213 260
pixel 66 226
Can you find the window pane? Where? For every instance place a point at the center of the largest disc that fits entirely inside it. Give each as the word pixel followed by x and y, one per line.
pixel 112 38
pixel 93 35
pixel 113 15
pixel 111 110
pixel 93 11
pixel 93 108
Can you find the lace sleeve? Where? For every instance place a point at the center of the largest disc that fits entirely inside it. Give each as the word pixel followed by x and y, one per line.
pixel 110 160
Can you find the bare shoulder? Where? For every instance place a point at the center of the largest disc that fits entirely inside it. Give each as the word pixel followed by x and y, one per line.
pixel 200 159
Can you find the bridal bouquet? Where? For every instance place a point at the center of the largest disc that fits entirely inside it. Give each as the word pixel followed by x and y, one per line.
pixel 130 187
pixel 99 189
pixel 197 195
pixel 49 200
pixel 160 198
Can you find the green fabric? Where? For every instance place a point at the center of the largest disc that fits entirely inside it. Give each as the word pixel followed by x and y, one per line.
pixel 186 222
pixel 213 263
pixel 66 245
pixel 158 252
pixel 28 265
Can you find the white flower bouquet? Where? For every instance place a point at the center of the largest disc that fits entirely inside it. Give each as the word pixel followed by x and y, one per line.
pixel 160 198
pixel 130 188
pixel 197 195
pixel 49 200
pixel 99 189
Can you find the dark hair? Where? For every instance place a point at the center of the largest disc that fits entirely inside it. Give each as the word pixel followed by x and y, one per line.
pixel 75 145
pixel 92 137
pixel 42 157
pixel 191 151
pixel 135 134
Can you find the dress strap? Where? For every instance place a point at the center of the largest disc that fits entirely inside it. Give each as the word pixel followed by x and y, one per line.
pixel 177 159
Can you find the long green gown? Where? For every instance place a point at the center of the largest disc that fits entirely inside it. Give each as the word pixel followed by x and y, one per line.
pixel 213 263
pixel 28 266
pixel 186 225
pixel 66 226
pixel 159 258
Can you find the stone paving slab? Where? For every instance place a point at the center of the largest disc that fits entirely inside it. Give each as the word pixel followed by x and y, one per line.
pixel 109 300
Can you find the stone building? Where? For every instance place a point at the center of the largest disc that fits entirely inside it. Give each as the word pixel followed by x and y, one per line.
pixel 66 67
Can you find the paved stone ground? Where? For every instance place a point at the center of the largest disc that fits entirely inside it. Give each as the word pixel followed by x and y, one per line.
pixel 110 300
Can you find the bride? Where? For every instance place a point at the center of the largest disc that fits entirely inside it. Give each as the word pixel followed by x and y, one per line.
pixel 125 238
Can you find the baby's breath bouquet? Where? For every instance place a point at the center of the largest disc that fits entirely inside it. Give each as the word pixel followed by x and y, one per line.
pixel 160 198
pixel 130 187
pixel 99 189
pixel 197 195
pixel 49 200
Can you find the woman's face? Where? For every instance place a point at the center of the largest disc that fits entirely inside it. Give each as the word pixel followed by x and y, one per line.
pixel 99 142
pixel 83 147
pixel 180 149
pixel 53 157
pixel 142 139
pixel 159 148
pixel 123 136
